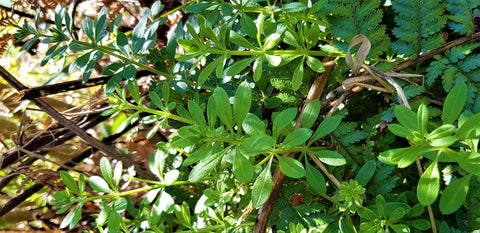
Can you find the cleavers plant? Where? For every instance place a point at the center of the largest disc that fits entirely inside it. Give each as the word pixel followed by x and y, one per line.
pixel 233 83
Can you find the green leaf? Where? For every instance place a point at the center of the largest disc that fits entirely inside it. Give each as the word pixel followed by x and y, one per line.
pixel 120 204
pixel 88 28
pixel 326 127
pixel 454 103
pixel 422 118
pixel 257 70
pixel 252 125
pixel 443 142
pixel 273 60
pixel 132 86
pixel 69 181
pixel 204 167
pixel 405 156
pixel 156 99
pixel 183 214
pixel 366 172
pixel 400 228
pixel 282 120
pixel 330 157
pixel 240 40
pixel 113 222
pixel 470 129
pixel 310 113
pixel 397 213
pixel 257 144
pixel 406 117
pixel 454 195
pixel 416 210
pixel 421 224
pixel 367 213
pixel 315 179
pixel 262 187
pixel 242 168
pixel 271 41
pixel 195 8
pixel 296 138
pixel 248 25
pixel 196 113
pixel 99 184
pixel 315 64
pixel 156 162
pixel 399 130
pixel 291 167
pixel 222 104
pixel 106 169
pixel 117 173
pixel 294 7
pixel 165 203
pixel 67 220
pixel 207 71
pixel 211 112
pixel 441 131
pixel 242 102
pixel 238 66
pixel 429 185
pixel 298 75
pixel 382 206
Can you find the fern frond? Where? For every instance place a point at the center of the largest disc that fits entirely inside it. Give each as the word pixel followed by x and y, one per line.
pixel 419 25
pixel 353 17
pixel 462 15
pixel 458 63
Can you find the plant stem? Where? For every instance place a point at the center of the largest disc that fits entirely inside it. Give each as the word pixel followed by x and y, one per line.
pixel 126 193
pixel 109 51
pixel 160 113
pixel 324 170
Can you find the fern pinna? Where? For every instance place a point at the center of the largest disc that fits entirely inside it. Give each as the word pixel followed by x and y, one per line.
pixel 353 17
pixel 419 25
pixel 462 12
pixel 458 63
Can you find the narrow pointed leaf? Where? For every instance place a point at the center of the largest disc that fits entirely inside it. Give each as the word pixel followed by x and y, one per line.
pixel 262 187
pixel 310 114
pixel 454 103
pixel 429 185
pixel 242 102
pixel 315 179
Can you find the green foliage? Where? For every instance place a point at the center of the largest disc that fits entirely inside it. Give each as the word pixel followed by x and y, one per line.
pixel 351 18
pixel 419 25
pixel 458 65
pixel 232 98
pixel 462 15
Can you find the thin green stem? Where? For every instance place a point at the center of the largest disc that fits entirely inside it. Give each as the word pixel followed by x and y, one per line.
pixel 160 113
pixel 109 51
pixel 129 192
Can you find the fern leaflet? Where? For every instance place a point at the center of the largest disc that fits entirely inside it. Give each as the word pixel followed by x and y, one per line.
pixel 458 63
pixel 462 14
pixel 419 25
pixel 352 17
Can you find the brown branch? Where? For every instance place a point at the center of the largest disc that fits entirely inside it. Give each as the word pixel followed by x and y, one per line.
pixel 464 40
pixel 69 86
pixel 315 92
pixel 107 150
